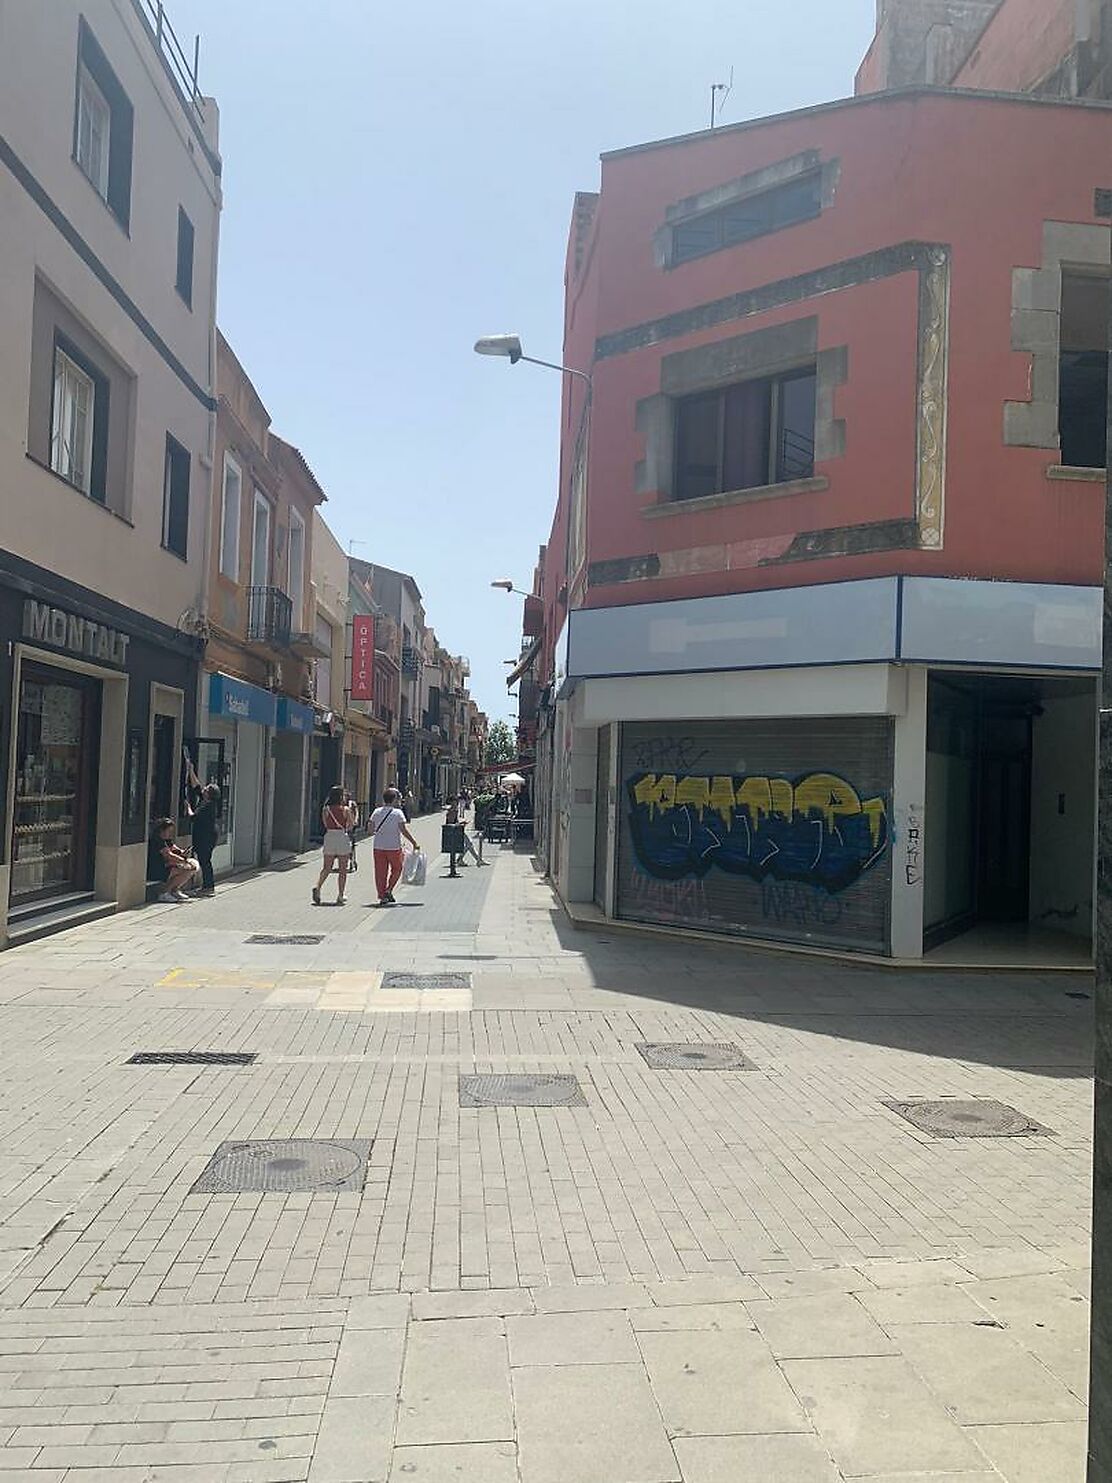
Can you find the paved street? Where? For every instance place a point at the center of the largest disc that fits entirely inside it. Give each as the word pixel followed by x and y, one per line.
pixel 684 1274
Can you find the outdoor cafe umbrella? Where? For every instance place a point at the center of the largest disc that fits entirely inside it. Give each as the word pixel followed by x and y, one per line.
pixel 514 779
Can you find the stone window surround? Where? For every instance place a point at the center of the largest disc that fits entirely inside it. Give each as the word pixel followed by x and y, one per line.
pixel 1036 329
pixel 808 162
pixel 752 356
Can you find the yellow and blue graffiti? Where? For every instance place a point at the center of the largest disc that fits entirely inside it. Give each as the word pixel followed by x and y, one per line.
pixel 815 828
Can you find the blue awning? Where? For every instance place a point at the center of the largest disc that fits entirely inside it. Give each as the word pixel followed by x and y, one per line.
pixel 240 701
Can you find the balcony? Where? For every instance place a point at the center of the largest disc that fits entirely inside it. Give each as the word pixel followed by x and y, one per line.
pixel 269 616
pixel 411 661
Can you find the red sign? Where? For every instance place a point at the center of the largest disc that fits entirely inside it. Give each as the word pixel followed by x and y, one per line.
pixel 362 657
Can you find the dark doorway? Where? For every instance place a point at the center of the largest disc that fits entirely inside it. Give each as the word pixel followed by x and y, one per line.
pixel 1004 812
pixel 163 804
pixel 54 821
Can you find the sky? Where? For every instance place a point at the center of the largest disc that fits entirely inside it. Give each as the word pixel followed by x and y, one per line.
pixel 398 180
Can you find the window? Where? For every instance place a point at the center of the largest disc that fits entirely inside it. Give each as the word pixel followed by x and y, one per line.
pixel 752 216
pixel 94 131
pixel 295 584
pixel 747 435
pixel 230 518
pixel 260 542
pixel 1083 370
pixel 71 423
pixel 175 499
pixel 184 280
pixel 323 667
pixel 102 128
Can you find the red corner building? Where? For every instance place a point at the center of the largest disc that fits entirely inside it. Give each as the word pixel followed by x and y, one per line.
pixel 821 595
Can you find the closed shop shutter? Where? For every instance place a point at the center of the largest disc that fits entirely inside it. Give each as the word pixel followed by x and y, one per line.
pixel 775 829
pixel 602 813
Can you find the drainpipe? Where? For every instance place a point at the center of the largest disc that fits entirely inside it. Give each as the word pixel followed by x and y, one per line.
pixel 1100 1395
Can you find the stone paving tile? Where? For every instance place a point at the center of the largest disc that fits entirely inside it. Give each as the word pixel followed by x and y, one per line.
pixel 829 1325
pixel 777 1459
pixel 590 1424
pixel 456 1384
pixel 469 1462
pixel 1034 1453
pixel 571 1339
pixel 355 1441
pixel 921 1305
pixel 876 1415
pixel 717 1384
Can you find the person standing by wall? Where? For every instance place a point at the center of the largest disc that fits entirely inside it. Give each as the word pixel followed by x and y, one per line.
pixel 206 829
pixel 387 827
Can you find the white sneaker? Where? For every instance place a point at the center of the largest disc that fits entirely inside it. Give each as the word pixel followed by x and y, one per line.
pixel 170 897
pixel 180 896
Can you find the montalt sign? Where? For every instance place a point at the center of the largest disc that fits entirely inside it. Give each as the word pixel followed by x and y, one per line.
pixel 62 630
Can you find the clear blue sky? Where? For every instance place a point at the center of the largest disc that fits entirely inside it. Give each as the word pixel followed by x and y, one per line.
pixel 398 180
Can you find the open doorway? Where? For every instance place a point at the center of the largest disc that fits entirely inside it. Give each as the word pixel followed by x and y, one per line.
pixel 1010 814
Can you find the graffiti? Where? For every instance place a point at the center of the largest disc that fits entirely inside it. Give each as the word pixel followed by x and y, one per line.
pixel 800 905
pixel 816 829
pixel 671 753
pixel 686 899
pixel 913 850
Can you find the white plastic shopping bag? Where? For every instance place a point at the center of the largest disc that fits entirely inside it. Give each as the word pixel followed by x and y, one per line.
pixel 414 868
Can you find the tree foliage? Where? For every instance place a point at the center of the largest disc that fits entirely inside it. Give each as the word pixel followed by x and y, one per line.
pixel 501 743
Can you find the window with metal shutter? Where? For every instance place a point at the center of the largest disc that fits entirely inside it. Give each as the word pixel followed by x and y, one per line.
pixel 774 829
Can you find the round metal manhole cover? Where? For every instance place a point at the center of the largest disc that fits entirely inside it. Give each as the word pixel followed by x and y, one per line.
pixel 289 1165
pixel 520 1091
pixel 982 1118
pixel 696 1056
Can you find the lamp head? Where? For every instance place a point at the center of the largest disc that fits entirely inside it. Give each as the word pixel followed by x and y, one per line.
pixel 508 346
pixel 504 583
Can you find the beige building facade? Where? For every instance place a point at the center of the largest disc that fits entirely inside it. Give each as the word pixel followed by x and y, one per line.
pixel 109 211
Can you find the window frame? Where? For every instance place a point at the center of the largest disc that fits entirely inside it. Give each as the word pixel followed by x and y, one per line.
pixel 296 595
pixel 97 434
pixel 65 364
pixel 717 215
pixel 89 88
pixel 176 456
pixel 1078 362
pixel 94 73
pixel 260 501
pixel 228 563
pixel 183 275
pixel 775 473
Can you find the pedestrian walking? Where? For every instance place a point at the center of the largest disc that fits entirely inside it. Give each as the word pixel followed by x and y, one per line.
pixel 387 827
pixel 336 818
pixel 206 829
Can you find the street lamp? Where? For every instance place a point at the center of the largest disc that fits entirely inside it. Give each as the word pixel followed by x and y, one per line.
pixel 507 586
pixel 509 347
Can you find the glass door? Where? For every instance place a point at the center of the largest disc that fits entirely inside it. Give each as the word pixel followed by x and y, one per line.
pixel 57 738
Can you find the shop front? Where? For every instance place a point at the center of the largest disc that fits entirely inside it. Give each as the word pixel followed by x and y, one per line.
pixel 92 738
pixel 242 716
pixel 326 768
pixel 291 742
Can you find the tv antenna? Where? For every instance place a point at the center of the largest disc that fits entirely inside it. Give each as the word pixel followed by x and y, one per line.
pixel 719 92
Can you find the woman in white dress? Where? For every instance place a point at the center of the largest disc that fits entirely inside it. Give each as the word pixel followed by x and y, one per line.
pixel 338 818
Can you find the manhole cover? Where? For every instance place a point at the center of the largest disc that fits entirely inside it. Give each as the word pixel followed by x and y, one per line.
pixel 952 1118
pixel 520 1091
pixel 191 1058
pixel 288 939
pixel 697 1056
pixel 426 980
pixel 291 1165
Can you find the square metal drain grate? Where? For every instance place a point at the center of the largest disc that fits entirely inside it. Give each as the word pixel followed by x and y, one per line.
pixel 285 1165
pixel 426 980
pixel 952 1118
pixel 520 1091
pixel 696 1056
pixel 192 1058
pixel 288 939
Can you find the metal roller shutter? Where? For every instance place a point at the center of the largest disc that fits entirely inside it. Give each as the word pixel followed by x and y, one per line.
pixel 774 829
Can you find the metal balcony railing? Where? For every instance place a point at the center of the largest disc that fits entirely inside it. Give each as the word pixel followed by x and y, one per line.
pixel 411 661
pixel 269 616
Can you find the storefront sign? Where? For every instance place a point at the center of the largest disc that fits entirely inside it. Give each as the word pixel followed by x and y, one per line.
pixel 61 630
pixel 292 716
pixel 362 657
pixel 241 701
